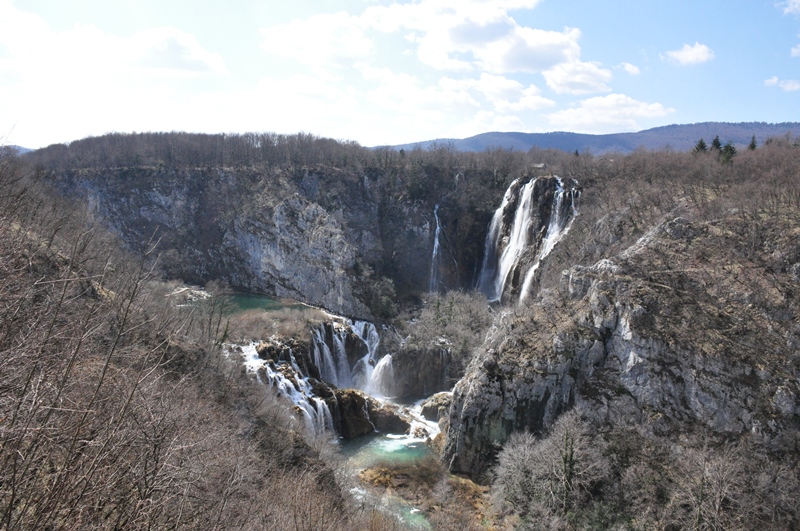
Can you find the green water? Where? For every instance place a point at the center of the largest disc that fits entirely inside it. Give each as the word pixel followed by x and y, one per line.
pixel 242 302
pixel 370 451
pixel 386 449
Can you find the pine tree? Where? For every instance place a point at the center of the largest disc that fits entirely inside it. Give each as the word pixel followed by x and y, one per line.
pixel 728 152
pixel 716 144
pixel 701 146
pixel 753 144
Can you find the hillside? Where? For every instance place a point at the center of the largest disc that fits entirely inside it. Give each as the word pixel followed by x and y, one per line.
pixel 677 137
pixel 630 360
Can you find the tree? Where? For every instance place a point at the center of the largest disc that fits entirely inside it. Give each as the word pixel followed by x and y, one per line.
pixel 716 144
pixel 550 476
pixel 728 152
pixel 752 146
pixel 701 146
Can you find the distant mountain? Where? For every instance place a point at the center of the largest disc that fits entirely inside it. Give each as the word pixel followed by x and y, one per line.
pixel 20 150
pixel 677 137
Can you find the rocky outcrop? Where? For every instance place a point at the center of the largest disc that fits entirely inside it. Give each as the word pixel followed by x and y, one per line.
pixel 355 414
pixel 286 350
pixel 420 372
pixel 642 338
pixel 351 417
pixel 388 418
pixel 437 406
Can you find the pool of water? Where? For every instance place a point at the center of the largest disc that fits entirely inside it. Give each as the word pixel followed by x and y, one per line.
pixel 241 302
pixel 392 450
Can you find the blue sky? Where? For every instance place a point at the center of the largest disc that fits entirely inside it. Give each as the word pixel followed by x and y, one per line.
pixel 390 72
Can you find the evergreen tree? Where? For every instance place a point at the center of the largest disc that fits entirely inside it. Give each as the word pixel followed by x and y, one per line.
pixel 728 152
pixel 716 145
pixel 753 144
pixel 701 146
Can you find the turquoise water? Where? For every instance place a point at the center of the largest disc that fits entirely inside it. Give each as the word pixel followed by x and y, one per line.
pixel 397 450
pixel 389 449
pixel 241 302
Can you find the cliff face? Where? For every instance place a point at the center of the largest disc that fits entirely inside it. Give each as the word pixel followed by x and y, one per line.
pixel 680 332
pixel 326 239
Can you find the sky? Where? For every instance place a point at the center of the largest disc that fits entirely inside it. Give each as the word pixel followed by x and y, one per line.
pixel 391 71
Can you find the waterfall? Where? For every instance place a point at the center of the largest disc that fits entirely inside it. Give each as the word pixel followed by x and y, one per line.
pixel 560 223
pixel 433 284
pixel 368 373
pixel 518 238
pixel 505 245
pixel 486 282
pixel 381 381
pixel 316 414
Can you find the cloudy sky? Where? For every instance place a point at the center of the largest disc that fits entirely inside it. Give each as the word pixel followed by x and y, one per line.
pixel 391 71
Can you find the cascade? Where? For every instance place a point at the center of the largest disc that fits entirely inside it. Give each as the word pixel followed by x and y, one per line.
pixel 433 284
pixel 381 381
pixel 368 373
pixel 560 223
pixel 315 411
pixel 506 243
pixel 486 281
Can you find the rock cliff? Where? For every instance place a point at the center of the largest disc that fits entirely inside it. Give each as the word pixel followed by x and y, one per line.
pixel 662 335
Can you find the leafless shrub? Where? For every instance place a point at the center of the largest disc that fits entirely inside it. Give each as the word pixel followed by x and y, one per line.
pixel 552 475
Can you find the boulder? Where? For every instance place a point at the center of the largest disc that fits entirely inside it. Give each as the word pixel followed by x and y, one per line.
pixel 437 406
pixel 351 417
pixel 388 418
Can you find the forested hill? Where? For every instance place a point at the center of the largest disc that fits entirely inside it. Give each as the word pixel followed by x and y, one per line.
pixel 678 137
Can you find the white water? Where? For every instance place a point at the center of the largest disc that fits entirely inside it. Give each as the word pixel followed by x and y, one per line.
pixel 369 374
pixel 316 414
pixel 518 238
pixel 495 270
pixel 433 283
pixel 488 274
pixel 559 225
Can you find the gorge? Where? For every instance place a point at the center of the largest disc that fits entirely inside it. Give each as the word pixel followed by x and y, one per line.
pixel 647 304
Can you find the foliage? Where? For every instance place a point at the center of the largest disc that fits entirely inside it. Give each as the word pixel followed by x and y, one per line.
pixel 701 146
pixel 458 320
pixel 551 476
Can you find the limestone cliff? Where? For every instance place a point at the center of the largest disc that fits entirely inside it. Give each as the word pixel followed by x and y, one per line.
pixel 318 238
pixel 679 332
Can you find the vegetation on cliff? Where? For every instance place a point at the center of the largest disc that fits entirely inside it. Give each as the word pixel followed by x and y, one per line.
pixel 649 381
pixel 119 410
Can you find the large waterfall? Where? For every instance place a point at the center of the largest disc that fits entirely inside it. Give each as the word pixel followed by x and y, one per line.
pixel 530 221
pixel 560 222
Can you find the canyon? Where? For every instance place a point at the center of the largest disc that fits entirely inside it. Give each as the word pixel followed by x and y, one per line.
pixel 655 291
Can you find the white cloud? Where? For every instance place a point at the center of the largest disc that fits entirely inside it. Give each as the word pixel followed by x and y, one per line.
pixel 789 85
pixel 607 114
pixel 691 55
pixel 170 50
pixel 475 35
pixel 578 78
pixel 83 81
pixel 796 51
pixel 792 7
pixel 320 40
pixel 507 95
pixel 631 69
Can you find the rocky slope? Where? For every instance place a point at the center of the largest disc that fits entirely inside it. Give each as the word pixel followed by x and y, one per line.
pixel 670 304
pixel 683 331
